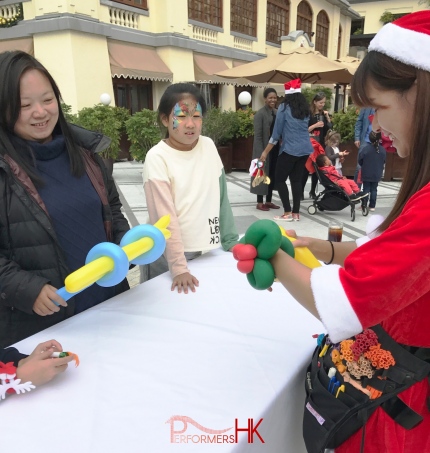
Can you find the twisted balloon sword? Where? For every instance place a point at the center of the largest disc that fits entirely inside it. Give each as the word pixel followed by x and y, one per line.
pixel 107 264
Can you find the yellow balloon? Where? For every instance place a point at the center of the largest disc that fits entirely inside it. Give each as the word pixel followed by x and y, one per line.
pixel 302 254
pixel 96 269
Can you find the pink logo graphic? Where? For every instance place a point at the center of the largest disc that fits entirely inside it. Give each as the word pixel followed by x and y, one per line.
pixel 214 436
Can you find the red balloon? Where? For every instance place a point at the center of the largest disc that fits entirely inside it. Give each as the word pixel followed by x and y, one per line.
pixel 245 266
pixel 244 252
pixel 234 251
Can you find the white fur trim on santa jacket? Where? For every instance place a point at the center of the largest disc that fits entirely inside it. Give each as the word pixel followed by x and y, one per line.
pixel 386 280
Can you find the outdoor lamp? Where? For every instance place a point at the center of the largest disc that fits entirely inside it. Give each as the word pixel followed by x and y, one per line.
pixel 105 99
pixel 244 99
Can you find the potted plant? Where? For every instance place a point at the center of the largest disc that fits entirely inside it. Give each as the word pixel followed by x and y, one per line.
pixel 143 132
pixel 387 17
pixel 309 94
pixel 344 123
pixel 219 125
pixel 243 138
pixel 67 112
pixel 109 121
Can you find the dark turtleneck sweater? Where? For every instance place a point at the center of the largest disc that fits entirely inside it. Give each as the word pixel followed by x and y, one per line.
pixel 75 210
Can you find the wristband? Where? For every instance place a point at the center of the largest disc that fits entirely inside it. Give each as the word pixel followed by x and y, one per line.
pixel 8 383
pixel 332 253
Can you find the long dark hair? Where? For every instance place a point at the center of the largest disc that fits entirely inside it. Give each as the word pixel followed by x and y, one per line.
pixel 318 97
pixel 298 104
pixel 389 74
pixel 13 65
pixel 173 94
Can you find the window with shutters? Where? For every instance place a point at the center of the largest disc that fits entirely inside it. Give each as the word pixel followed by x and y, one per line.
pixel 321 40
pixel 243 15
pixel 206 11
pixel 142 4
pixel 278 20
pixel 304 17
pixel 132 94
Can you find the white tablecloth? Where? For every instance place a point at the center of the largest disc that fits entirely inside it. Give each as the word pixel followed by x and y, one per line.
pixel 226 352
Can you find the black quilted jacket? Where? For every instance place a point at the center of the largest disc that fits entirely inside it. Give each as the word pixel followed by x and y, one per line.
pixel 30 254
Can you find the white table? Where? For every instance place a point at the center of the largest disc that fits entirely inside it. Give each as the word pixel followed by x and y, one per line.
pixel 226 352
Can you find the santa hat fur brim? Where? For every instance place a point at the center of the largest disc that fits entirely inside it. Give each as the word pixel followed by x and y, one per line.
pixel 401 44
pixel 293 90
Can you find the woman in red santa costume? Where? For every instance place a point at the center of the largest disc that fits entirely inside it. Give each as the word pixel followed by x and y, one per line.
pixel 385 280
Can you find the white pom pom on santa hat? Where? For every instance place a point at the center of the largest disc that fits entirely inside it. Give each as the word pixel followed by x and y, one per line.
pixel 294 86
pixel 406 40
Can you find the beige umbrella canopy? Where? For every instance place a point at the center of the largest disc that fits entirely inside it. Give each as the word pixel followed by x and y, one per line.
pixel 350 63
pixel 303 63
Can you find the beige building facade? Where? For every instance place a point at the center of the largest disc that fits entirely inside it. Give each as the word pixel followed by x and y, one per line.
pixel 132 49
pixel 372 19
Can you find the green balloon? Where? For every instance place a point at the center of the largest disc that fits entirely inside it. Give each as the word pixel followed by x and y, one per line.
pixel 262 276
pixel 287 247
pixel 265 236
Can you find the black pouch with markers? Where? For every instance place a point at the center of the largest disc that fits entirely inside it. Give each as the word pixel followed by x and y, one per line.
pixel 329 420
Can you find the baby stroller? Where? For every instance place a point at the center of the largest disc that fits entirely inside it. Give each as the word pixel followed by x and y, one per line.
pixel 333 197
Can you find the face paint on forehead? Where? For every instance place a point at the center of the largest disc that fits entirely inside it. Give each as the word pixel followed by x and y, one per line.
pixel 183 109
pixel 186 108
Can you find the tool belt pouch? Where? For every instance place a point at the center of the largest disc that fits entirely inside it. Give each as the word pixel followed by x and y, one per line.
pixel 329 420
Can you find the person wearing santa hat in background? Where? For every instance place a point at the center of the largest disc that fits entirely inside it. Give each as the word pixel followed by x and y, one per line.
pixel 385 280
pixel 291 125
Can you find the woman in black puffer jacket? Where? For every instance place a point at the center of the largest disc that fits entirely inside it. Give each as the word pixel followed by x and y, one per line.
pixel 56 202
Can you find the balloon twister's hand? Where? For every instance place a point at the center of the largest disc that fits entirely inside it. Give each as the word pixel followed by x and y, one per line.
pixel 183 281
pixel 39 367
pixel 299 241
pixel 44 304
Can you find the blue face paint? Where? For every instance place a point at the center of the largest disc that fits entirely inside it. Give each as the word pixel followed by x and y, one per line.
pixel 182 110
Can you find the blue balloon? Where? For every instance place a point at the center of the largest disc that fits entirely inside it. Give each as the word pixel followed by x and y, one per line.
pixel 120 259
pixel 141 231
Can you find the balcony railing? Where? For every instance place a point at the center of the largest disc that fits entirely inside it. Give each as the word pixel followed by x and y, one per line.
pixel 124 18
pixel 10 14
pixel 242 43
pixel 205 34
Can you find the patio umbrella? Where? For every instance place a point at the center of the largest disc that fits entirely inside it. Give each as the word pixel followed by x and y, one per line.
pixel 303 63
pixel 350 63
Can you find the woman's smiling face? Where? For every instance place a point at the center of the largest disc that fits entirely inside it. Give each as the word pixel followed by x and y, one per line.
pixel 394 113
pixel 319 105
pixel 39 108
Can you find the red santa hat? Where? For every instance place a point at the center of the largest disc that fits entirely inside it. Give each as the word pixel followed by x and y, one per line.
pixel 406 39
pixel 293 87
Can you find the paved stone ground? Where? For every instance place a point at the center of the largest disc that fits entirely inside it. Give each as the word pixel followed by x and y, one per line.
pixel 128 177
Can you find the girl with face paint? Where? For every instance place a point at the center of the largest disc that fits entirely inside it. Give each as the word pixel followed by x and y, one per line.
pixel 183 176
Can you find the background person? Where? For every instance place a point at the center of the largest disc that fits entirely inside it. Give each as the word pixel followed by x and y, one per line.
pixel 362 129
pixel 372 284
pixel 348 185
pixel 291 124
pixel 56 202
pixel 319 124
pixel 183 176
pixel 264 121
pixel 372 161
pixel 332 140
